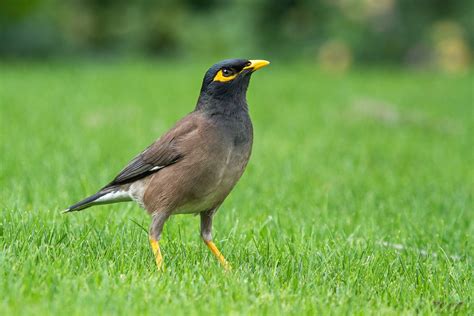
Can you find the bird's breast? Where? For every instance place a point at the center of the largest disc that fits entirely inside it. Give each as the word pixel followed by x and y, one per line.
pixel 221 165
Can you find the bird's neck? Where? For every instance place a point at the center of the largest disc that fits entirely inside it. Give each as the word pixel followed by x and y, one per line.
pixel 222 105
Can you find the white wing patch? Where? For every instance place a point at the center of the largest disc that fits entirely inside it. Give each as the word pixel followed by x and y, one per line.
pixel 156 168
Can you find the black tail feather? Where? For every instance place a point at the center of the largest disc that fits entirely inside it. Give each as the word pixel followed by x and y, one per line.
pixel 87 202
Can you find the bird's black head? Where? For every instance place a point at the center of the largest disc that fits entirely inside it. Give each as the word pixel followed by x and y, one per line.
pixel 228 80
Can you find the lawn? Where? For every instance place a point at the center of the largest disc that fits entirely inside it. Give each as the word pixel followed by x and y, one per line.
pixel 357 198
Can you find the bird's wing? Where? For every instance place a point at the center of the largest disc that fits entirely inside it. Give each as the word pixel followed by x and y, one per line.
pixel 162 153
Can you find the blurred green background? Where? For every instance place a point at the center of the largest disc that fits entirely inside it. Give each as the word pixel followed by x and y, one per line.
pixel 357 199
pixel 334 33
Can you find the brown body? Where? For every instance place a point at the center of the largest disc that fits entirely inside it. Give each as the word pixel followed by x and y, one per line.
pixel 212 164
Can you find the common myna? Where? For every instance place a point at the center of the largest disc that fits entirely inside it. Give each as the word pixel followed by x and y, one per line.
pixel 194 166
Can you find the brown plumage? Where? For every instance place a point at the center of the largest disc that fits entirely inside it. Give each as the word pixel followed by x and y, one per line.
pixel 194 166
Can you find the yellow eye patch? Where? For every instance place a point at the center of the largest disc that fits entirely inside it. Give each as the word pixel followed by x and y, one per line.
pixel 251 65
pixel 221 78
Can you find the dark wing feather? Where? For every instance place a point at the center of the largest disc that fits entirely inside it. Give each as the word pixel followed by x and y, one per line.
pixel 164 152
pixel 148 162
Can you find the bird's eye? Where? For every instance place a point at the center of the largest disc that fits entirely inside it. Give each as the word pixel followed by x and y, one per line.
pixel 247 64
pixel 226 72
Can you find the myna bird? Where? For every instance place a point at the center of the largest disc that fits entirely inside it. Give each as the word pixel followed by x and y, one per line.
pixel 193 167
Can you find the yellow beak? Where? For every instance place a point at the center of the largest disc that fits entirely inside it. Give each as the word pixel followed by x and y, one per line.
pixel 256 64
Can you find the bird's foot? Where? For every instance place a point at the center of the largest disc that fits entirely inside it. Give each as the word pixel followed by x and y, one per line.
pixel 218 255
pixel 155 247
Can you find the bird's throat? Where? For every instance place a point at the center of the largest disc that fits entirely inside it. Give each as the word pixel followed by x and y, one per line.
pixel 228 105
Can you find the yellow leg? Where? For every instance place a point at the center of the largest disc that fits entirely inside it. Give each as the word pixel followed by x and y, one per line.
pixel 155 247
pixel 218 255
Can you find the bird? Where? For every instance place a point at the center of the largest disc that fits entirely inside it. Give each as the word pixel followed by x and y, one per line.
pixel 193 167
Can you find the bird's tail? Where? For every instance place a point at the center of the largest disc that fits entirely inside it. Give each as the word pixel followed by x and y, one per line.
pixel 105 196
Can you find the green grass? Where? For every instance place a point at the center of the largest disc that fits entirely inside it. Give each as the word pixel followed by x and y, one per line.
pixel 345 171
